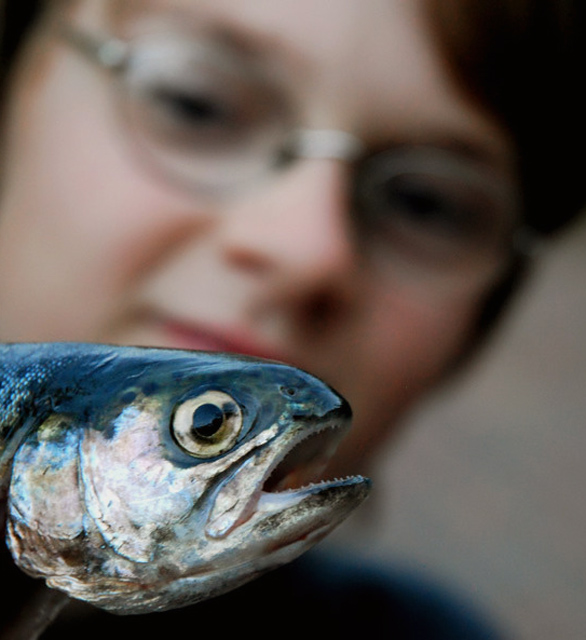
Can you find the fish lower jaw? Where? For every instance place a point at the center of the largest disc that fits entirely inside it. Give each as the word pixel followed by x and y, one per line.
pixel 272 501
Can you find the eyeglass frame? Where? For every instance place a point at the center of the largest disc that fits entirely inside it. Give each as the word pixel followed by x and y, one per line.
pixel 112 55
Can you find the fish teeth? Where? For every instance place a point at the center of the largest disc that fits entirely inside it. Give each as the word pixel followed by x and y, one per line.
pixel 304 465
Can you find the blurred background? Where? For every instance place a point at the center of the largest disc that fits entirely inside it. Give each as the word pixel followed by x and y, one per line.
pixel 487 490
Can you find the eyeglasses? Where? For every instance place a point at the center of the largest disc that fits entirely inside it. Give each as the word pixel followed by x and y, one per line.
pixel 205 119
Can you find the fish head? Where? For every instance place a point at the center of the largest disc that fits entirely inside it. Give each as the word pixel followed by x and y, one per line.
pixel 165 483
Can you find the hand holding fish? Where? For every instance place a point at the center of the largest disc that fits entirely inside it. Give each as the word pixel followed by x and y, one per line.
pixel 142 480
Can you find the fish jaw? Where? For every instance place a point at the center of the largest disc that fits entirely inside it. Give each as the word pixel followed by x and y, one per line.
pixel 276 535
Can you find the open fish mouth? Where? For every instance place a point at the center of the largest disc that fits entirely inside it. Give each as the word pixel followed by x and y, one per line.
pixel 304 462
pixel 286 486
pixel 299 471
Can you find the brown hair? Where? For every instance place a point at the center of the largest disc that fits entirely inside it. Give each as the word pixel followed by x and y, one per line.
pixel 525 60
pixel 16 18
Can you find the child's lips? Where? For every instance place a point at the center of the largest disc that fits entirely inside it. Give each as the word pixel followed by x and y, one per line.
pixel 187 335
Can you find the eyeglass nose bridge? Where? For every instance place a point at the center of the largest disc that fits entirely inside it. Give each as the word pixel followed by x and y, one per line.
pixel 323 144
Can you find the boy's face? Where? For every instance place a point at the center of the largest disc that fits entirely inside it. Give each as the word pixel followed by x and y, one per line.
pixel 96 245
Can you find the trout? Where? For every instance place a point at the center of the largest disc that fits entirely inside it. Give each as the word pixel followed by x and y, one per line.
pixel 141 479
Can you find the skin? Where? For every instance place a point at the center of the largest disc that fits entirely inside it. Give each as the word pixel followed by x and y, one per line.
pixel 94 247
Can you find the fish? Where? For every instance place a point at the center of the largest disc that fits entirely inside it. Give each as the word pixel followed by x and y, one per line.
pixel 142 479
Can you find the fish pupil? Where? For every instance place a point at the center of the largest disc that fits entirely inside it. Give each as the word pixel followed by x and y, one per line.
pixel 207 420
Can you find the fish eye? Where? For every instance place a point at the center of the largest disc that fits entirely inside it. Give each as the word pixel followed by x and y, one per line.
pixel 208 425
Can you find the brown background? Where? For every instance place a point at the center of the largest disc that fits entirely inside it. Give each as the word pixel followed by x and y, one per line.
pixel 487 490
